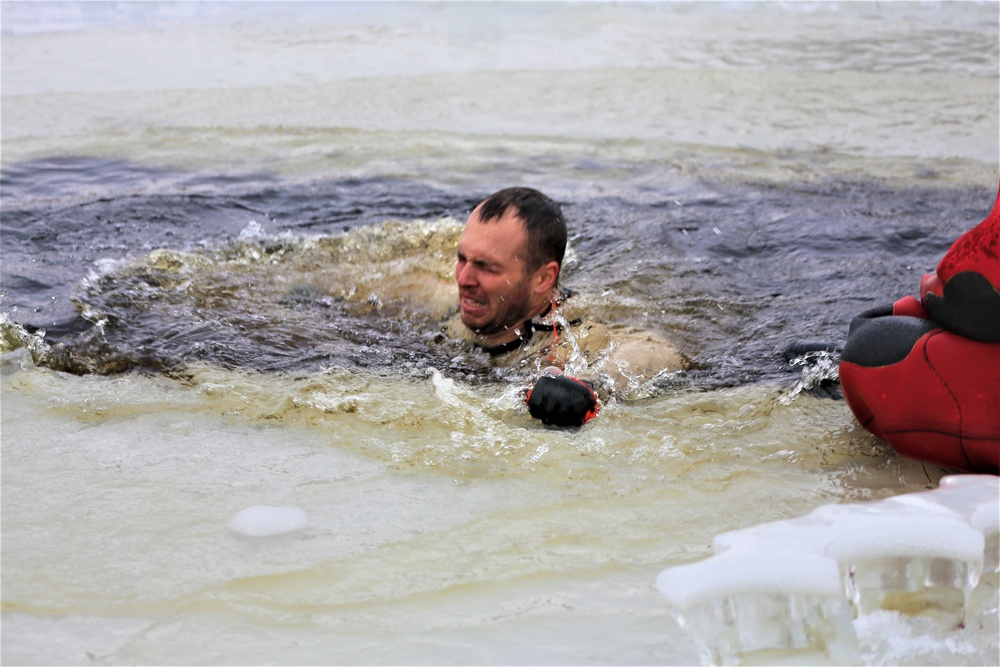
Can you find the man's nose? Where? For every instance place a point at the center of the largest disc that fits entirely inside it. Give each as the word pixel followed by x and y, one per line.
pixel 466 276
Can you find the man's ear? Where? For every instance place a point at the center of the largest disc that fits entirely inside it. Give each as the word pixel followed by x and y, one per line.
pixel 546 277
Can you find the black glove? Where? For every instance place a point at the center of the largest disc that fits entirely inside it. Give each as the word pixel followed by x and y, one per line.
pixel 562 400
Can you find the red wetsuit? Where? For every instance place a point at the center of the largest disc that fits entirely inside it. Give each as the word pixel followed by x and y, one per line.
pixel 925 375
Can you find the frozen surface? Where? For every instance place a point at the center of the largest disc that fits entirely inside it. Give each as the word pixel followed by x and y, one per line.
pixel 793 588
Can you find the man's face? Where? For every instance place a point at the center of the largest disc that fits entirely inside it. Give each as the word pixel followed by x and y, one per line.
pixel 494 291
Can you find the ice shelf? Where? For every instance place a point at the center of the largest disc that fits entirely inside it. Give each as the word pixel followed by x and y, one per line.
pixel 788 591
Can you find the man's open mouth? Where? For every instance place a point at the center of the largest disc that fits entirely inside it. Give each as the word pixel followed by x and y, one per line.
pixel 471 305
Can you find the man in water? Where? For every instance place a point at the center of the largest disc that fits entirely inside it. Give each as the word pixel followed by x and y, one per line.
pixel 509 258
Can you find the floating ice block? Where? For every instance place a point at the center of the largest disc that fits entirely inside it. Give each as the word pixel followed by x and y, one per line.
pixel 263 521
pixel 748 605
pixel 749 571
pixel 787 590
pixel 915 565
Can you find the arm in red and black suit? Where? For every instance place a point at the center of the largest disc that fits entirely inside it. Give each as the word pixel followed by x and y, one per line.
pixel 963 294
pixel 925 375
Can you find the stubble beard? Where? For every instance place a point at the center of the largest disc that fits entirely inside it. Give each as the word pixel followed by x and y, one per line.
pixel 506 319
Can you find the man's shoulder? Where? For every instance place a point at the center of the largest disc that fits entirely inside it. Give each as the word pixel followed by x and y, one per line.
pixel 570 335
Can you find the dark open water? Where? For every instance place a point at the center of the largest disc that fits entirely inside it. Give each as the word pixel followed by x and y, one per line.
pixel 735 272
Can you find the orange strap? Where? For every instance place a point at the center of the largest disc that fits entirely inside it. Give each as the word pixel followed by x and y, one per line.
pixel 555 335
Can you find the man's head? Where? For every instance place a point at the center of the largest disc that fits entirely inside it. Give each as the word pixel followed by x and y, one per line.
pixel 509 259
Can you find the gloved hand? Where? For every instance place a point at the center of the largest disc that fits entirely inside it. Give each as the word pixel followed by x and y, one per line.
pixel 562 400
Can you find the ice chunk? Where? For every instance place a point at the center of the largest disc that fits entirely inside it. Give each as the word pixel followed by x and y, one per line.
pixel 985 519
pixel 910 564
pixel 752 606
pixel 263 521
pixel 749 571
pixel 787 590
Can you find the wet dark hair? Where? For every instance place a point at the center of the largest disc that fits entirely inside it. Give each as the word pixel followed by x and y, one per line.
pixel 543 221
